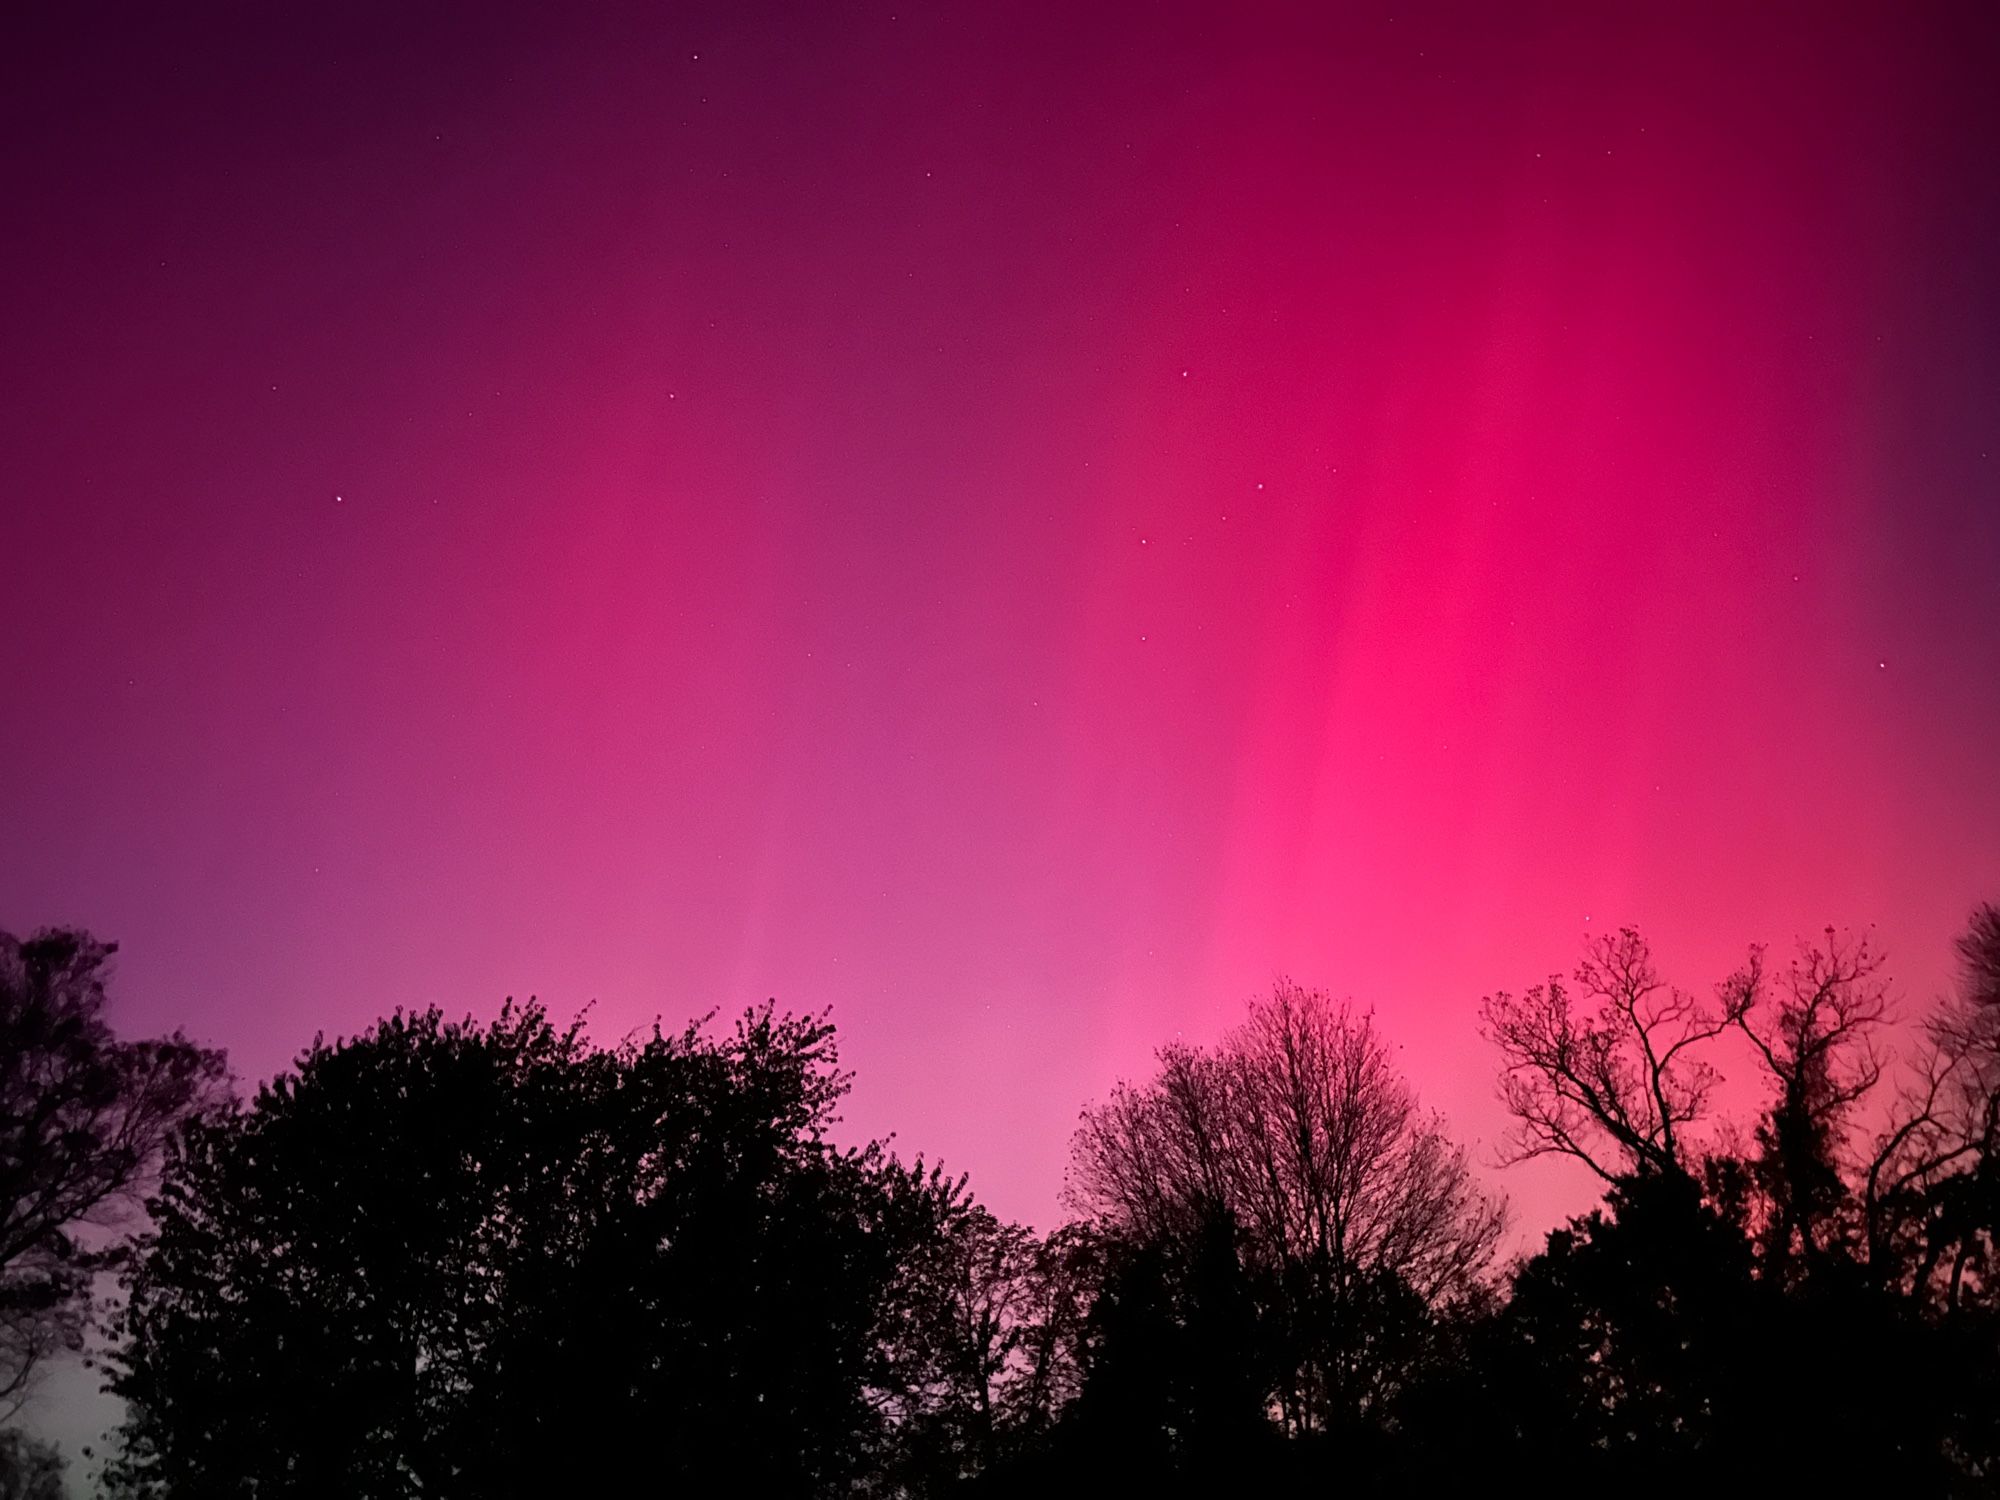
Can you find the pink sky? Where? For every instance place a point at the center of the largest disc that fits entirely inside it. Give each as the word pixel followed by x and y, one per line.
pixel 1017 529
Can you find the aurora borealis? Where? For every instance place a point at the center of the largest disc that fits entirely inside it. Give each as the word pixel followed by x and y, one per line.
pixel 1016 524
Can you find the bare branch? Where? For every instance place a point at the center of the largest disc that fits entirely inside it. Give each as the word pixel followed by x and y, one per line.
pixel 1612 1080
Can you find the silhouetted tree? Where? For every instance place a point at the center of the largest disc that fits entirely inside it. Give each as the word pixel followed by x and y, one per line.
pixel 83 1115
pixel 1344 1194
pixel 496 1261
pixel 1608 1071
pixel 1174 1387
pixel 1642 1349
pixel 445 1258
pixel 1722 1312
pixel 989 1344
pixel 1128 1399
pixel 1931 1192
pixel 1063 1282
pixel 1631 1334
pixel 1818 1046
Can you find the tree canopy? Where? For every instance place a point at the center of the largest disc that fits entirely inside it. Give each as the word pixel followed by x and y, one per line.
pixel 496 1259
pixel 445 1258
pixel 84 1115
pixel 1297 1140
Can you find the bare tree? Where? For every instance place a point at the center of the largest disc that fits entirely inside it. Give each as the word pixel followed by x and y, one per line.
pixel 1931 1190
pixel 1298 1129
pixel 1819 1048
pixel 1299 1126
pixel 1967 1028
pixel 1609 1071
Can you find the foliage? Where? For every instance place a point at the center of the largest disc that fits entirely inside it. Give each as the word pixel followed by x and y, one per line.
pixel 1820 1053
pixel 993 1321
pixel 29 1470
pixel 83 1116
pixel 447 1258
pixel 486 1261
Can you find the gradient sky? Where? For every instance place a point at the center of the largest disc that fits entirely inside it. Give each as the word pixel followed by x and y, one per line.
pixel 1018 524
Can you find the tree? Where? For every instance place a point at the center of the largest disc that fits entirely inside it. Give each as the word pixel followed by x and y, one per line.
pixel 1629 1333
pixel 1721 1311
pixel 965 1350
pixel 83 1117
pixel 1932 1189
pixel 987 1343
pixel 1064 1278
pixel 1609 1071
pixel 1645 1348
pixel 1173 1398
pixel 29 1469
pixel 1299 1132
pixel 1819 1050
pixel 446 1258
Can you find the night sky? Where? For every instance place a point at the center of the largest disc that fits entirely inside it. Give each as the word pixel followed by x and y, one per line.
pixel 1019 524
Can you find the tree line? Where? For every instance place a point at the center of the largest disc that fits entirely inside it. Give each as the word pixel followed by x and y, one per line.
pixel 454 1258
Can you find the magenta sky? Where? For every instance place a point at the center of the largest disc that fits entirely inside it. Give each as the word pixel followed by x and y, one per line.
pixel 1016 526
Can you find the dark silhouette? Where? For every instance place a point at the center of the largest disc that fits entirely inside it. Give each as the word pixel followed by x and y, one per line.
pixel 1932 1191
pixel 993 1322
pixel 1819 1050
pixel 1355 1215
pixel 1610 1070
pixel 453 1259
pixel 1720 1309
pixel 83 1118
pixel 497 1260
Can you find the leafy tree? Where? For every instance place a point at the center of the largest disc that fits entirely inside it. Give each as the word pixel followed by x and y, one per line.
pixel 1174 1388
pixel 1643 1349
pixel 1063 1281
pixel 29 1469
pixel 83 1116
pixel 966 1354
pixel 494 1260
pixel 1630 1331
pixel 988 1342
